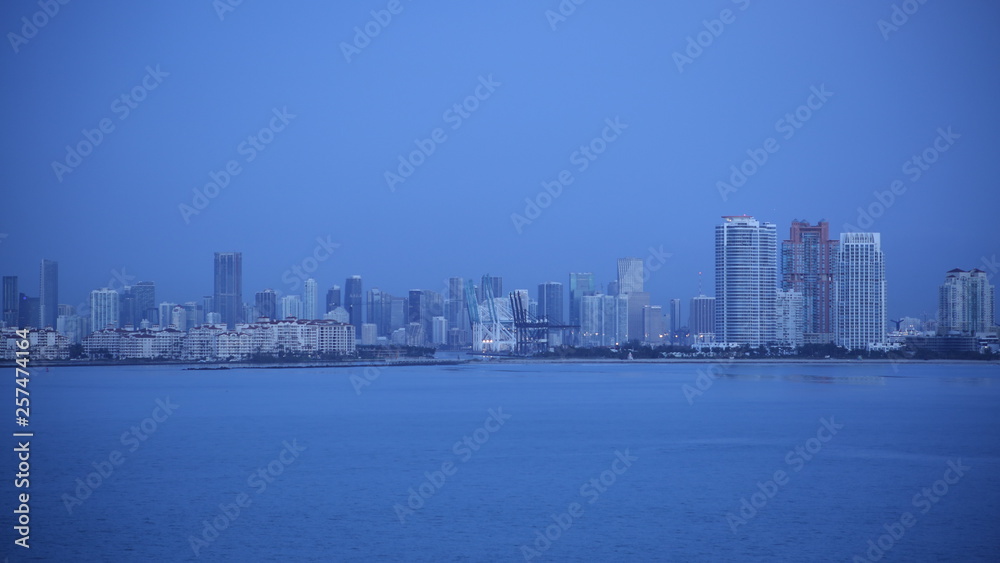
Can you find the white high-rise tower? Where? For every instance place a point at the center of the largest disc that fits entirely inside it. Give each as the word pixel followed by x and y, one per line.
pixel 860 291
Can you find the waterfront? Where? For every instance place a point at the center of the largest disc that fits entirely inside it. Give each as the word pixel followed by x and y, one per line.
pixel 323 463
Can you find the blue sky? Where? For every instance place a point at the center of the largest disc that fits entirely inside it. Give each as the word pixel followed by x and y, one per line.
pixel 211 83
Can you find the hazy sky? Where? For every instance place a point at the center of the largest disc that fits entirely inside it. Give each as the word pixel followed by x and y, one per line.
pixel 180 91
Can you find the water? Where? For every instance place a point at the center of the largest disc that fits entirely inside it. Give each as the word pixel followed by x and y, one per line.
pixel 356 456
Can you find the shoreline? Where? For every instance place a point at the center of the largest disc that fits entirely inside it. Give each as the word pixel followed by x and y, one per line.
pixel 222 366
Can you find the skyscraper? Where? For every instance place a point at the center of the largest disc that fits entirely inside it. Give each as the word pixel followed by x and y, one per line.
pixel 456 311
pixel 630 275
pixel 310 301
pixel 808 259
pixel 144 294
pixel 860 292
pixel 377 317
pixel 550 302
pixel 103 308
pixel 701 318
pixel 603 320
pixel 11 301
pixel 580 284
pixel 966 303
pixel 789 315
pixel 228 295
pixel 745 281
pixel 267 304
pixel 48 293
pixel 675 316
pixel 333 298
pixel 354 301
pixel 291 306
pixel 495 283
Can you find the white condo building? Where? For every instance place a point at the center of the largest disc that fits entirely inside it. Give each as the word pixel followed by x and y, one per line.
pixel 966 303
pixel 746 274
pixel 103 308
pixel 860 292
pixel 310 300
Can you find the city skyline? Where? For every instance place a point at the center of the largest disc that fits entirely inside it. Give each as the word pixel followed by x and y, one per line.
pixel 673 148
pixel 229 263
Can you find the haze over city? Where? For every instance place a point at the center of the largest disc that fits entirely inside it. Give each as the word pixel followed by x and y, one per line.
pixel 341 118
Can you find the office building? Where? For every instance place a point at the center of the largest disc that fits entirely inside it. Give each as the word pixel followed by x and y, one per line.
pixel 291 307
pixel 631 275
pixel 701 320
pixel 144 307
pixel 333 298
pixel 675 316
pixel 48 293
pixel 550 302
pixel 745 281
pixel 267 304
pixel 653 325
pixel 354 301
pixel 494 284
pixel 11 301
pixel 860 292
pixel 808 259
pixel 228 294
pixel 603 320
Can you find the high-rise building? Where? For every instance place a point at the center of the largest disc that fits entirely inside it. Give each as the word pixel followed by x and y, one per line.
pixel 398 313
pixel 165 313
pixel 630 275
pixel 104 308
pixel 310 299
pixel 376 311
pixel 675 315
pixel 144 294
pixel 354 301
pixel 267 304
pixel 637 301
pixel 790 320
pixel 652 321
pixel 424 306
pixel 494 283
pixel 28 312
pixel 745 281
pixel 860 292
pixel 603 320
pixel 702 318
pixel 333 298
pixel 550 302
pixel 11 301
pixel 457 314
pixel 48 293
pixel 439 331
pixel 966 303
pixel 808 259
pixel 291 306
pixel 228 295
pixel 580 284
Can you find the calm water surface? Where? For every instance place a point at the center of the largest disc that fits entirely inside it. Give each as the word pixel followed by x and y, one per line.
pixel 766 462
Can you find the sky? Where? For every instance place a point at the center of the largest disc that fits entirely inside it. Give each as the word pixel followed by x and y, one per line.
pixel 118 115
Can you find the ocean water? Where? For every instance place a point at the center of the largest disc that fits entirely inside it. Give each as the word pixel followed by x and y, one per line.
pixel 514 462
